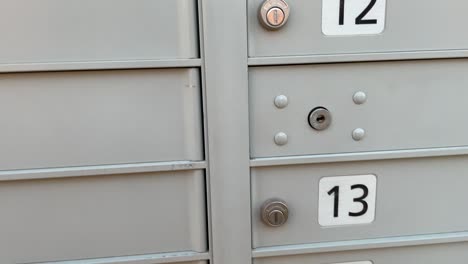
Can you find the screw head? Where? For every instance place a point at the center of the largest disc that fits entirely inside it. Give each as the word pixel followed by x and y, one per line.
pixel 360 97
pixel 359 134
pixel 281 101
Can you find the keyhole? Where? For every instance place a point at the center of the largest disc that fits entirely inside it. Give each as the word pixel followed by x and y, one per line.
pixel 276 16
pixel 320 119
pixel 274 212
pixel 276 216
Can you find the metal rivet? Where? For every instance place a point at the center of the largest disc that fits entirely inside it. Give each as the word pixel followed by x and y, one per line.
pixel 281 101
pixel 359 134
pixel 281 139
pixel 360 97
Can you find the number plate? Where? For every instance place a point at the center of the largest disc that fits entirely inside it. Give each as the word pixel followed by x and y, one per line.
pixel 347 200
pixel 353 17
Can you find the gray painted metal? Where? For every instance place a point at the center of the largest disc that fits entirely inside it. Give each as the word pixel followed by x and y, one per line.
pixel 119 215
pixel 390 116
pixel 414 196
pixel 418 25
pixel 350 245
pixel 99 117
pixel 90 171
pixel 184 257
pixel 136 135
pixel 357 57
pixel 110 166
pixel 453 253
pixel 88 30
pixel 225 79
pixel 100 65
pixel 360 156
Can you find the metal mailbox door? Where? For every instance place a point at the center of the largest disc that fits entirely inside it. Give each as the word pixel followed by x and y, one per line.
pixel 330 27
pixel 415 254
pixel 361 200
pixel 154 131
pixel 54 31
pixel 87 118
pixel 102 133
pixel 358 151
pixel 394 105
pixel 102 216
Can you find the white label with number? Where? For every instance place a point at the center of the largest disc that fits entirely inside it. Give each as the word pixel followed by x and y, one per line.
pixel 347 200
pixel 353 17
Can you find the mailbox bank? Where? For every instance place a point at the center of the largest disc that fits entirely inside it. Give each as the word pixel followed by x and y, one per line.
pixel 215 131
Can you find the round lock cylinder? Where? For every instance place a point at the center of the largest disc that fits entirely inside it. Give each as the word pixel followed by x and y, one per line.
pixel 320 118
pixel 273 14
pixel 274 212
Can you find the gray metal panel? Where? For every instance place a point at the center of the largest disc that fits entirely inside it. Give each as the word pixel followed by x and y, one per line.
pixel 371 243
pixel 103 216
pixel 414 196
pixel 356 57
pixel 90 171
pixel 178 257
pixel 227 129
pixel 454 253
pixel 375 155
pixel 410 105
pixel 99 117
pixel 100 65
pixel 184 258
pixel 88 30
pixel 410 26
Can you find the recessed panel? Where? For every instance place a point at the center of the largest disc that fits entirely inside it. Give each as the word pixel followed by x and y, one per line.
pixel 327 27
pixel 103 216
pixel 453 253
pixel 357 107
pixel 80 31
pixel 373 199
pixel 61 119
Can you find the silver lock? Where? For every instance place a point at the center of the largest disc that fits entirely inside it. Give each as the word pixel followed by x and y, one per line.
pixel 320 118
pixel 273 14
pixel 275 212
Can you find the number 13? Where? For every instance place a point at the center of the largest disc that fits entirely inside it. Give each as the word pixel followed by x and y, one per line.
pixel 365 206
pixel 347 200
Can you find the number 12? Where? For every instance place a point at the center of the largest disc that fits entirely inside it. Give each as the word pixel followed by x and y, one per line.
pixel 359 19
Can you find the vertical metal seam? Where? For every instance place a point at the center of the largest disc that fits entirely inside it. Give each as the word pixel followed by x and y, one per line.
pixel 225 73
